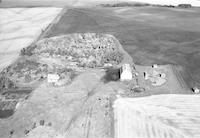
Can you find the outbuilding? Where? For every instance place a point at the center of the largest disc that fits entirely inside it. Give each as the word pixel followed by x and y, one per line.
pixel 126 72
pixel 52 78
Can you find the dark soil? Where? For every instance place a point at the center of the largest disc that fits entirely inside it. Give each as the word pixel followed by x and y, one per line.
pixel 11 98
pixel 6 113
pixel 16 94
pixel 112 74
pixel 149 34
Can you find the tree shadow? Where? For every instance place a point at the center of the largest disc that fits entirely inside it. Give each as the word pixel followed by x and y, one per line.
pixel 111 74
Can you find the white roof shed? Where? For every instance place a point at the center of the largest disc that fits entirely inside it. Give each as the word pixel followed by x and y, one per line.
pixel 126 72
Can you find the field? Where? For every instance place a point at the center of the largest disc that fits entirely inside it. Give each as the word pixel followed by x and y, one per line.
pixel 80 103
pixel 149 34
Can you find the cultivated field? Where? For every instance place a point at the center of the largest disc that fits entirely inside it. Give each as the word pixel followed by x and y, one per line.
pixel 149 34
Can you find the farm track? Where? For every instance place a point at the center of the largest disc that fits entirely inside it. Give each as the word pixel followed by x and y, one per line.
pixel 179 76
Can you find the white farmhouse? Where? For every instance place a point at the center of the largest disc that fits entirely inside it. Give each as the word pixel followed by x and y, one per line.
pixel 126 72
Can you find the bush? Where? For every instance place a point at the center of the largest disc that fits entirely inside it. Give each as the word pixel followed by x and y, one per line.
pixel 80 46
pixel 25 71
pixel 24 65
pixel 6 83
pixel 126 4
pixel 27 51
pixel 111 57
pixel 92 64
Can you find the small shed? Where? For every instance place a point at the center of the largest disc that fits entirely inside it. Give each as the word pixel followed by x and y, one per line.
pixel 126 72
pixel 52 78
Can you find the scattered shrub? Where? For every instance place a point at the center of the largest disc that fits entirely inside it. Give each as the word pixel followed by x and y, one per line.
pixel 113 57
pixel 81 47
pixel 6 83
pixel 25 71
pixel 28 51
pixel 126 4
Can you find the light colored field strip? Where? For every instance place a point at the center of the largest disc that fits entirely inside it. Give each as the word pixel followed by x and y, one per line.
pixel 159 116
pixel 19 27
